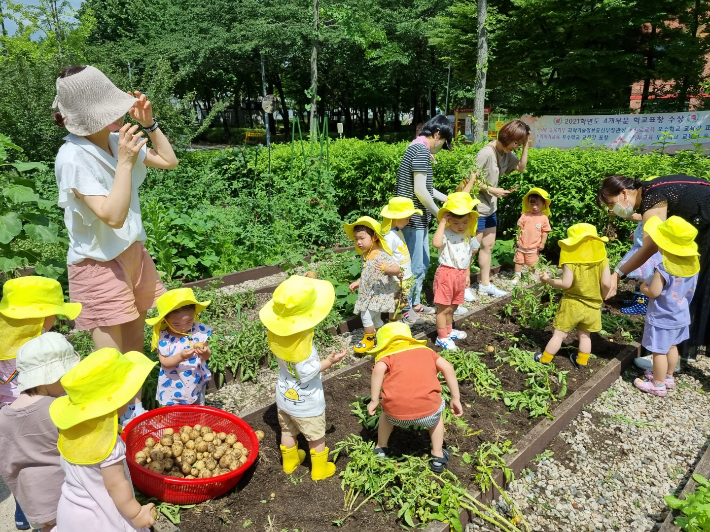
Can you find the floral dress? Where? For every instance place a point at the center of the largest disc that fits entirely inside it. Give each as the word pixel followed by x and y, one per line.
pixel 183 384
pixel 377 289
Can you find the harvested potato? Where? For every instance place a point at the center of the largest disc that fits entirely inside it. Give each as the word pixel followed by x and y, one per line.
pixel 156 466
pixel 177 448
pixel 239 445
pixel 194 472
pixel 189 456
pixel 205 430
pixel 208 437
pixel 211 448
pixel 189 476
pixel 211 464
pixel 222 436
pixel 243 459
pixel 218 453
pixel 236 453
pixel 141 457
pixel 259 434
pixel 150 442
pixel 179 475
pixel 149 460
pixel 201 447
pixel 194 434
pixel 178 459
pixel 168 464
pixel 168 432
pixel 224 471
pixel 205 473
pixel 198 428
pixel 156 454
pixel 166 440
pixel 186 468
pixel 190 444
pixel 199 439
pixel 198 345
pixel 234 465
pixel 200 465
pixel 231 439
pixel 167 452
pixel 185 437
pixel 185 428
pixel 225 461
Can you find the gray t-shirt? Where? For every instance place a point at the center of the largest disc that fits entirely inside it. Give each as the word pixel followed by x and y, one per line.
pixel 30 459
pixel 492 164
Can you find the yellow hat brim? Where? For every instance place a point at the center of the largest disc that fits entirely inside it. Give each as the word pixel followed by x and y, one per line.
pixel 545 197
pixel 584 252
pixel 16 333
pixel 66 414
pixel 325 297
pixel 398 215
pixel 680 266
pixel 294 348
pixel 372 224
pixel 157 322
pixel 396 338
pixel 651 227
pixel 89 442
pixel 68 310
pixel 573 241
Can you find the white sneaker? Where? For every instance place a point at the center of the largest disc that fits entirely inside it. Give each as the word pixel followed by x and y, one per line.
pixel 455 334
pixel 469 295
pixel 491 290
pixel 460 311
pixel 446 343
pixel 515 279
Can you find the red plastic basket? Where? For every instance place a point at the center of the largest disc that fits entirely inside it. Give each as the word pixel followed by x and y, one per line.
pixel 180 490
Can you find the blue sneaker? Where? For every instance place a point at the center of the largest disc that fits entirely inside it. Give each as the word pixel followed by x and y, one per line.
pixel 446 343
pixel 639 306
pixel 21 522
pixel 455 334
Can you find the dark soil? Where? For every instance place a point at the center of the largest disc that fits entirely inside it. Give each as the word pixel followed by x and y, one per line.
pixel 295 502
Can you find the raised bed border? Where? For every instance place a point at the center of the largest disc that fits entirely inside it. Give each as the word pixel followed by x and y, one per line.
pixel 535 441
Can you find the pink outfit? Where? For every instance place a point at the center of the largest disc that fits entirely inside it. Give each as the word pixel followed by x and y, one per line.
pixel 85 503
pixel 8 391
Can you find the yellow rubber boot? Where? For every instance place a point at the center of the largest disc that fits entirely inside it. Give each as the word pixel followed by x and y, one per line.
pixel 321 468
pixel 367 343
pixel 292 458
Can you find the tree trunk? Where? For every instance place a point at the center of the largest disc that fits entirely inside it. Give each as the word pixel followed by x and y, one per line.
pixel 348 121
pixel 314 69
pixel 2 21
pixel 250 118
pixel 57 28
pixel 689 78
pixel 382 120
pixel 395 107
pixel 272 120
pixel 481 69
pixel 237 105
pixel 649 69
pixel 366 116
pixel 284 108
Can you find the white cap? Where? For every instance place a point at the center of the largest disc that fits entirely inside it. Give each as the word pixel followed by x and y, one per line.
pixel 89 101
pixel 44 360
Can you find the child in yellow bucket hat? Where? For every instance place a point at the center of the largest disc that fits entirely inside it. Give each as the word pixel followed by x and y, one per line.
pixel 182 347
pixel 586 279
pixel 376 286
pixel 97 493
pixel 534 224
pixel 670 289
pixel 298 305
pixel 406 372
pixel 456 241
pixel 395 216
pixel 28 307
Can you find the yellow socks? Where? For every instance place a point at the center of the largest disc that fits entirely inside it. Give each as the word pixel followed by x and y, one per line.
pixel 546 357
pixel 582 358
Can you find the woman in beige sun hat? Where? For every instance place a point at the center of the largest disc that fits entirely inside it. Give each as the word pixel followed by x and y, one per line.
pixel 98 171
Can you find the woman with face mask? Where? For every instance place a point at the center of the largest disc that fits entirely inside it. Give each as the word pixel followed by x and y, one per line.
pixel 415 180
pixel 674 195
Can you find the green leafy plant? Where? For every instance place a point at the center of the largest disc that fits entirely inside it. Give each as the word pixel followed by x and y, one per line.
pixel 532 306
pixel 696 517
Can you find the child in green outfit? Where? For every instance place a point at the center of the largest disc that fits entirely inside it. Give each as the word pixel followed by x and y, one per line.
pixel 586 280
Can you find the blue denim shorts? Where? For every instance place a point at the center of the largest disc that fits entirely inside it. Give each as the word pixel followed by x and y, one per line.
pixel 484 222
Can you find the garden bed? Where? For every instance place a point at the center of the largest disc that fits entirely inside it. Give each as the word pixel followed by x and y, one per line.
pixel 297 502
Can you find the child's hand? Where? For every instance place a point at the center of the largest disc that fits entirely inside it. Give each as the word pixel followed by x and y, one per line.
pixel 204 351
pixel 468 279
pixel 643 286
pixel 187 354
pixel 456 408
pixel 354 286
pixel 142 110
pixel 400 275
pixel 144 519
pixel 445 219
pixel 334 358
pixel 541 247
pixel 544 277
pixel 372 406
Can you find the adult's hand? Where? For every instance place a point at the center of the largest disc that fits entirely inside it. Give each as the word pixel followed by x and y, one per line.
pixel 129 145
pixel 614 285
pixel 498 192
pixel 142 110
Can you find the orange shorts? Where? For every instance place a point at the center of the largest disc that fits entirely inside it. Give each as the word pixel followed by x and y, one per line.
pixel 528 259
pixel 116 291
pixel 449 285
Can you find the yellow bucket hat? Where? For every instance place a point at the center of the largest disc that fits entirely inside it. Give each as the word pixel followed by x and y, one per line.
pixel 293 348
pixel 459 203
pixel 169 301
pixel 676 239
pixel 96 388
pixel 16 333
pixel 582 246
pixel 299 304
pixel 372 224
pixel 35 297
pixel 392 338
pixel 396 209
pixel 545 197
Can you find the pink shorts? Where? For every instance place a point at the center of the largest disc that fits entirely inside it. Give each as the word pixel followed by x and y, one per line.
pixel 116 291
pixel 449 285
pixel 528 259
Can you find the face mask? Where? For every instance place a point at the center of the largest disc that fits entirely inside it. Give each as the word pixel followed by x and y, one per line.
pixel 622 212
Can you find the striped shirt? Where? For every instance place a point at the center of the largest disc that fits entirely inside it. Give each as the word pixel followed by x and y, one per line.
pixel 417 158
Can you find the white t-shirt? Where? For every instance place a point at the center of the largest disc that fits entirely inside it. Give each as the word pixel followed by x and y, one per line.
pixel 457 250
pixel 400 252
pixel 299 391
pixel 83 166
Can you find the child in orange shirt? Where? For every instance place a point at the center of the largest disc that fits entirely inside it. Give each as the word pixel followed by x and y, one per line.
pixel 534 226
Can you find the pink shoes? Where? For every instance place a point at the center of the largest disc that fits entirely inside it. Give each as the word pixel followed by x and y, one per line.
pixel 650 387
pixel 670 381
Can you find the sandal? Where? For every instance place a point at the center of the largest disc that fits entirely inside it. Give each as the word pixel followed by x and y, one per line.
pixel 381 452
pixel 438 463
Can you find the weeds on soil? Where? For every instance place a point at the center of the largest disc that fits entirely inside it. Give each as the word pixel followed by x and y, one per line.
pixel 534 304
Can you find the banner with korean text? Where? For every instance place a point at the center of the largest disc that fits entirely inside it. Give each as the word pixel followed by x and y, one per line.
pixel 648 131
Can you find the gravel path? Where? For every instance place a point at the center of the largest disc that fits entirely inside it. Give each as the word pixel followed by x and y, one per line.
pixel 7 509
pixel 614 463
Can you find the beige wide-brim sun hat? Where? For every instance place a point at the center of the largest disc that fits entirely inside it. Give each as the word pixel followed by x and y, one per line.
pixel 89 101
pixel 44 360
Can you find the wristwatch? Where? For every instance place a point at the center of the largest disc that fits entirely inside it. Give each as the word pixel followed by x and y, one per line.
pixel 152 128
pixel 621 274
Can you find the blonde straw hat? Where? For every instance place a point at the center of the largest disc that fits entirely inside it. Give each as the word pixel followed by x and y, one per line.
pixel 582 246
pixel 89 101
pixel 676 239
pixel 394 337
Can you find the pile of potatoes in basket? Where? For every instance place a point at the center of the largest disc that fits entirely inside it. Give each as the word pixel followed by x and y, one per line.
pixel 194 452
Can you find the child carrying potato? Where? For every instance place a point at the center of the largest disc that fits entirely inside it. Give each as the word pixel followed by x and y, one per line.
pixel 298 305
pixel 28 438
pixel 586 279
pixel 97 493
pixel 406 372
pixel 182 348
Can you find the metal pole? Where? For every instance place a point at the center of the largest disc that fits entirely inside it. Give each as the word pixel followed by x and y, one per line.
pixel 266 122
